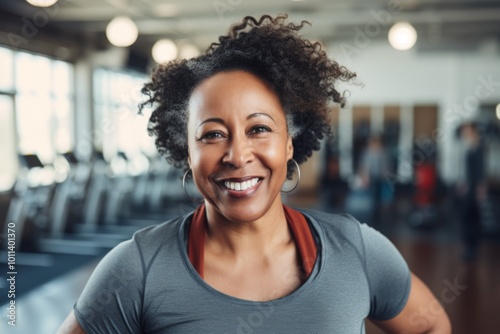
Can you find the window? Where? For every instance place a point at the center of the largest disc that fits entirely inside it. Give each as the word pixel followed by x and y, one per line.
pixel 117 125
pixel 9 164
pixel 44 106
pixel 40 120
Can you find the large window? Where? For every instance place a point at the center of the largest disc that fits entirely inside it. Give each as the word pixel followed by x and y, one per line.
pixel 44 106
pixel 9 165
pixel 36 109
pixel 117 125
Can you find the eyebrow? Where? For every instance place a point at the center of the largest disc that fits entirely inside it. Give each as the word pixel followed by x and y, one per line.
pixel 213 119
pixel 257 114
pixel 221 121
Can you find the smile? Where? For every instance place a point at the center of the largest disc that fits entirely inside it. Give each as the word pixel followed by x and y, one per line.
pixel 241 186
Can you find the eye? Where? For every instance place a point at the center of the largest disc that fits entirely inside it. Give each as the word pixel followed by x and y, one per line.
pixel 260 129
pixel 213 135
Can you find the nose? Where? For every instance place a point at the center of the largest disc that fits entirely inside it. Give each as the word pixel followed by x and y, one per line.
pixel 239 152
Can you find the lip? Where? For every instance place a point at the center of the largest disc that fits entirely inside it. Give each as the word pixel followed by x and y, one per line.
pixel 240 193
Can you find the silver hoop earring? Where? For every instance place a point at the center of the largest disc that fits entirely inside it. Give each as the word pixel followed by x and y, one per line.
pixel 298 178
pixel 184 183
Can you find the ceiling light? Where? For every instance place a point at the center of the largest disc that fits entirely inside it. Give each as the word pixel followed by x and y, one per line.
pixel 122 31
pixel 402 36
pixel 164 51
pixel 41 3
pixel 498 111
pixel 187 51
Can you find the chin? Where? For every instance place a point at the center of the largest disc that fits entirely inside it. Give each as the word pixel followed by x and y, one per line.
pixel 246 211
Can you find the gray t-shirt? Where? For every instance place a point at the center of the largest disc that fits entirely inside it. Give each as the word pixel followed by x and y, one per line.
pixel 148 285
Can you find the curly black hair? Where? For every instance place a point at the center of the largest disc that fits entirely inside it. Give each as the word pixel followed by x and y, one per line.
pixel 298 70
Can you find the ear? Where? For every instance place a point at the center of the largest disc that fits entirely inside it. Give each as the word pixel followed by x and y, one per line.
pixel 289 148
pixel 189 159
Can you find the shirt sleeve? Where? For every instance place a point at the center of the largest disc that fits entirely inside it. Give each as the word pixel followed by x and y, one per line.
pixel 111 302
pixel 389 277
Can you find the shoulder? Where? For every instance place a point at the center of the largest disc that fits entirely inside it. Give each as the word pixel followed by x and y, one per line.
pixel 329 218
pixel 345 230
pixel 118 283
pixel 150 239
pixel 159 233
pixel 130 257
pixel 142 248
pixel 341 225
pixel 387 274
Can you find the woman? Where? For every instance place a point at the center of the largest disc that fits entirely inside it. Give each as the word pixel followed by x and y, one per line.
pixel 241 118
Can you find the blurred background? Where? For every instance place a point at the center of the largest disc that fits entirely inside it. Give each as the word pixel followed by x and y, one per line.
pixel 415 153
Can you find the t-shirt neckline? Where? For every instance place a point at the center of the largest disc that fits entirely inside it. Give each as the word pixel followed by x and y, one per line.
pixel 316 272
pixel 299 228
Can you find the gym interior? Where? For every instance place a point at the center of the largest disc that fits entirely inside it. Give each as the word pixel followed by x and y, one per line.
pixel 79 173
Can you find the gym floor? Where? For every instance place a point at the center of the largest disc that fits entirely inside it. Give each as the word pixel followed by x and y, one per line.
pixel 469 291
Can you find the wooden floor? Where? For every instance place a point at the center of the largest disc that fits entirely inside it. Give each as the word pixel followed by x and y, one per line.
pixel 473 301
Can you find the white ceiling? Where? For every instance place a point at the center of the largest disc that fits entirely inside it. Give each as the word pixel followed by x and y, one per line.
pixel 441 24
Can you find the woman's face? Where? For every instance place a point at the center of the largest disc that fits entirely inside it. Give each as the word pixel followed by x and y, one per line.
pixel 238 145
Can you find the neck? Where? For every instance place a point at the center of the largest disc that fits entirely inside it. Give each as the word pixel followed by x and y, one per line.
pixel 247 238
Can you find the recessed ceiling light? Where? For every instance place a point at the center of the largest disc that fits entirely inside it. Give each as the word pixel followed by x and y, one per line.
pixel 41 3
pixel 164 51
pixel 122 31
pixel 402 36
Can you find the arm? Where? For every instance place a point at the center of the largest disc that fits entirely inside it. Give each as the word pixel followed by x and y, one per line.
pixel 422 314
pixel 70 326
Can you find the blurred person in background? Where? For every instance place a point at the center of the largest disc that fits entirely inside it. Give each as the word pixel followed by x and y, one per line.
pixel 472 189
pixel 373 168
pixel 240 119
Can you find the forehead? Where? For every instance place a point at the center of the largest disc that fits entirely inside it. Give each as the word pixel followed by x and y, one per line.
pixel 235 92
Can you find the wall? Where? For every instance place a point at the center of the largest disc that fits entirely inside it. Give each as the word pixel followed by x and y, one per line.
pixel 456 82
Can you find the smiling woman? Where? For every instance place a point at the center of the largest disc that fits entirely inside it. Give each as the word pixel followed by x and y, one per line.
pixel 238 118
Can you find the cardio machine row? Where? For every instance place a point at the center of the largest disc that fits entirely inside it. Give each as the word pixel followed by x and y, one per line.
pixel 74 211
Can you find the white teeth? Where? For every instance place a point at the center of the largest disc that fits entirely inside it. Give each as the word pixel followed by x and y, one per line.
pixel 245 185
pixel 239 186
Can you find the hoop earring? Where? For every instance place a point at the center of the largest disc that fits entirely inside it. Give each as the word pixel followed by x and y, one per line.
pixel 184 183
pixel 298 178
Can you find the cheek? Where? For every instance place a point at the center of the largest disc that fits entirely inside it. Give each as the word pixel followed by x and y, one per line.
pixel 274 155
pixel 203 160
